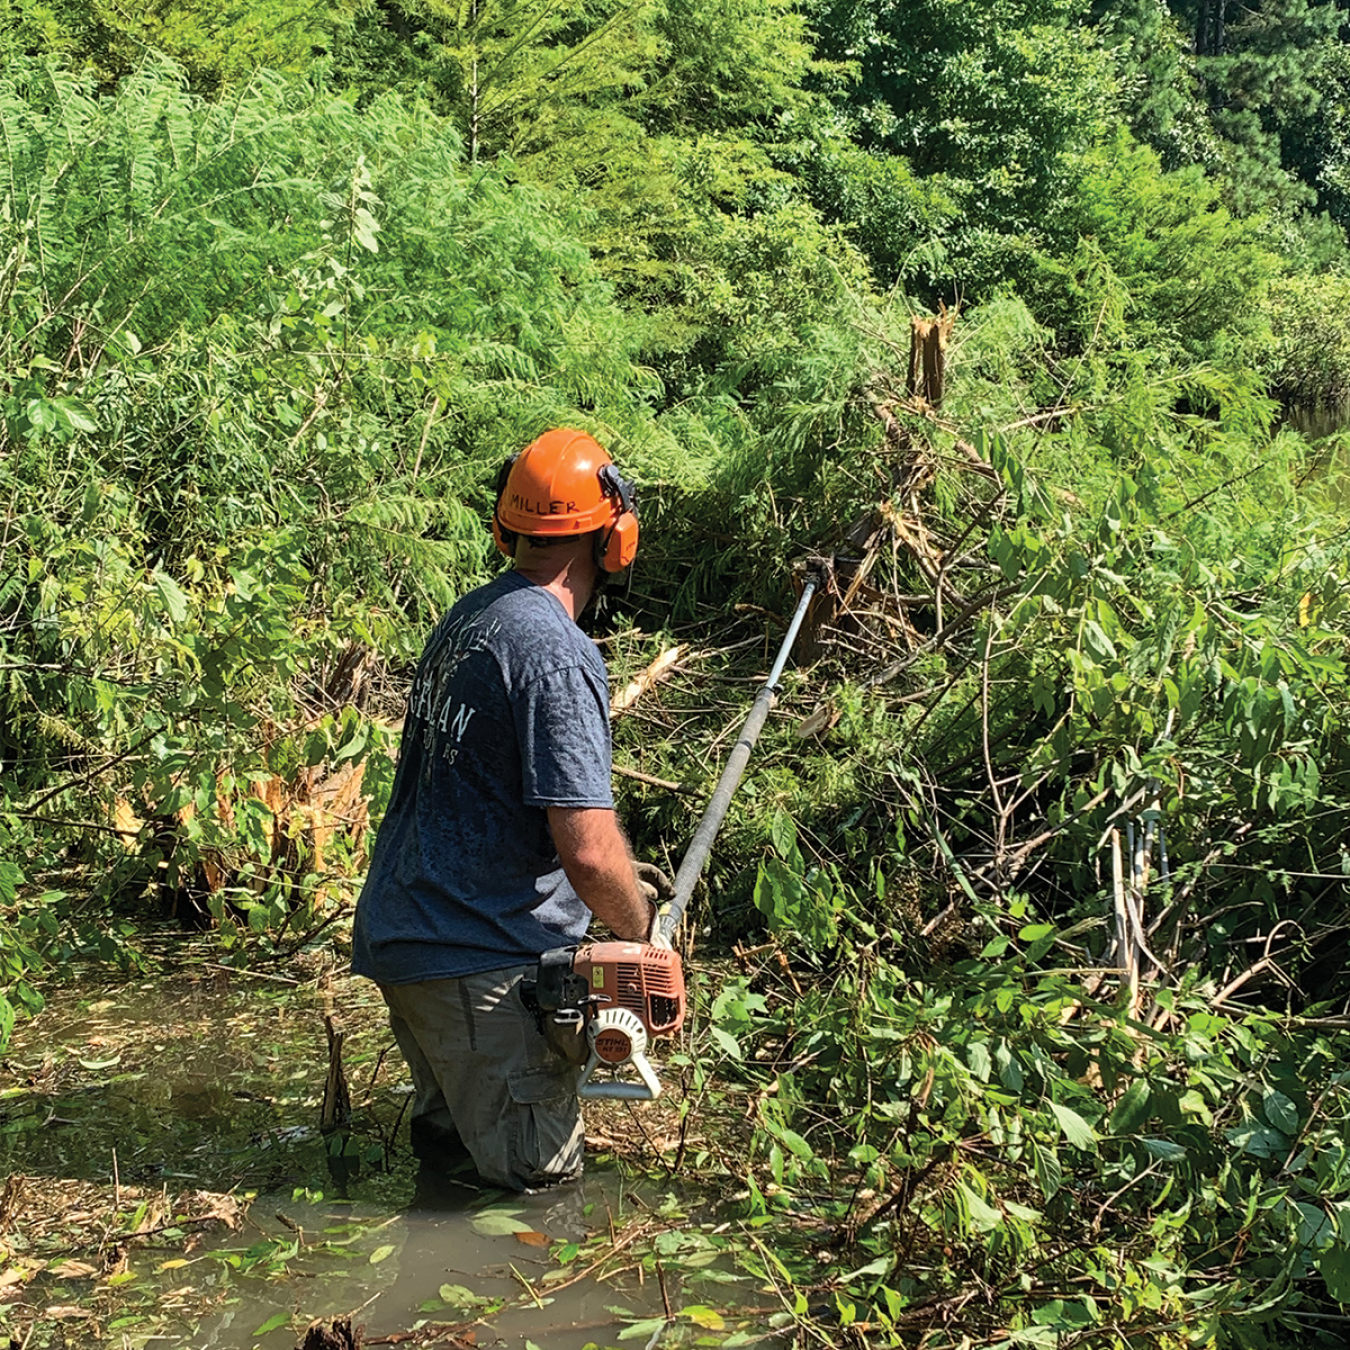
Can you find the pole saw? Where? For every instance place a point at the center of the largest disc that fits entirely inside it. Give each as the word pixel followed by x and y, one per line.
pixel 599 1005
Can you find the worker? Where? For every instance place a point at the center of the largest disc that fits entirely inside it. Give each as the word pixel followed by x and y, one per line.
pixel 501 839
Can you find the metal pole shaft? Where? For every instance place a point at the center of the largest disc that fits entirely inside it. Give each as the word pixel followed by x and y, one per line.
pixel 691 866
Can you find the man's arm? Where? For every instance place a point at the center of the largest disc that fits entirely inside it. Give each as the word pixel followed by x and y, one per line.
pixel 595 857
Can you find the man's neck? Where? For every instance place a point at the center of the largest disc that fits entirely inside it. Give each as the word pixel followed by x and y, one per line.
pixel 571 579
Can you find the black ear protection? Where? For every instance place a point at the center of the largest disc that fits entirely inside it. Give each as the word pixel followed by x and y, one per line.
pixel 616 547
pixel 506 539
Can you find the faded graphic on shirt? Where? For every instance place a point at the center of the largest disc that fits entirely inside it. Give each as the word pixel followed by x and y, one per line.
pixel 433 705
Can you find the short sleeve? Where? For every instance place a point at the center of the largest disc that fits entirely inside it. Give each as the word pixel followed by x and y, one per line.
pixel 562 728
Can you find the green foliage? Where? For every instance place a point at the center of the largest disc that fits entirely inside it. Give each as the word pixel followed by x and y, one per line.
pixel 897 218
pixel 1161 263
pixel 1260 65
pixel 1158 80
pixel 264 352
pixel 252 415
pixel 999 102
pixel 1310 363
pixel 986 1127
pixel 216 45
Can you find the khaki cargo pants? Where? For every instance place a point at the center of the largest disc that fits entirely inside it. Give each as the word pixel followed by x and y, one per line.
pixel 482 1070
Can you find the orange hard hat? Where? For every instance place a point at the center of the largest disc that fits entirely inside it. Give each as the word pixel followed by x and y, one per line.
pixel 562 484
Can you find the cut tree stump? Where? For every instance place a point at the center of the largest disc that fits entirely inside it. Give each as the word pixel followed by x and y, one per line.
pixel 339 1334
pixel 928 356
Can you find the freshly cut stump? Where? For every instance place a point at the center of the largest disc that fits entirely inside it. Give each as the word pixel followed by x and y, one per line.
pixel 339 1334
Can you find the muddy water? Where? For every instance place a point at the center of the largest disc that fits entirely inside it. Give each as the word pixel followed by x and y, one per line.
pixel 209 1083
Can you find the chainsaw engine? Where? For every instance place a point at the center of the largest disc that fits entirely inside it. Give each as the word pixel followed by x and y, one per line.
pixel 599 1005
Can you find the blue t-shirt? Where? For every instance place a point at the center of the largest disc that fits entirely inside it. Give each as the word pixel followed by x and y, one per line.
pixel 508 715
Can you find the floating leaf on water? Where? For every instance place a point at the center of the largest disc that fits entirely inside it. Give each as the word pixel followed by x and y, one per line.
pixel 457 1296
pixel 533 1239
pixel 709 1318
pixel 643 1330
pixel 72 1270
pixel 281 1319
pixel 381 1253
pixel 497 1223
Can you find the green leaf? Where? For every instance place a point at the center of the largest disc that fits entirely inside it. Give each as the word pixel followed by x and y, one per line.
pixel 1045 1162
pixel 458 1296
pixel 1334 1266
pixel 1260 1141
pixel 382 1253
pixel 497 1223
pixel 1280 1112
pixel 277 1320
pixel 11 878
pixel 175 601
pixel 728 1043
pixel 645 1329
pixel 979 1059
pixel 783 832
pixel 1099 646
pixel 1075 1129
pixel 1164 1149
pixel 79 415
pixel 796 1143
pixel 983 1217
pixel 1131 1111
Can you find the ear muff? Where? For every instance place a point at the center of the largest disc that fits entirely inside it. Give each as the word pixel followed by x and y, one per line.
pixel 505 539
pixel 616 545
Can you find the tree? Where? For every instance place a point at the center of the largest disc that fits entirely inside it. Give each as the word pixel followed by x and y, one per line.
pixel 215 44
pixel 1003 97
pixel 1159 86
pixel 1260 67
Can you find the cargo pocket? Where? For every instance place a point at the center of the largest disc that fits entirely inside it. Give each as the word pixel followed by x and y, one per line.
pixel 547 1136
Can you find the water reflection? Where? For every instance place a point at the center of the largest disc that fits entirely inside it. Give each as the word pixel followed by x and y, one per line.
pixel 214 1087
pixel 1315 422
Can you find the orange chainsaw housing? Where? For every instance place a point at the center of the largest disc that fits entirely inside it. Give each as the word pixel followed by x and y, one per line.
pixel 648 981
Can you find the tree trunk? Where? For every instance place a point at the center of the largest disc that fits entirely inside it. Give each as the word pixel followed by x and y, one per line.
pixel 928 357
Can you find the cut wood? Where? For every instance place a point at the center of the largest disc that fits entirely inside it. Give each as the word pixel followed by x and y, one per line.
pixel 635 689
pixel 339 1334
pixel 337 1103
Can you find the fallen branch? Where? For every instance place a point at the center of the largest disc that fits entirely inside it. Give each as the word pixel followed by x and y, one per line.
pixel 638 686
pixel 648 778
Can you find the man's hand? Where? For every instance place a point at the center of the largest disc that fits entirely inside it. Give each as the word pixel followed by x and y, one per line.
pixel 657 889
pixel 654 884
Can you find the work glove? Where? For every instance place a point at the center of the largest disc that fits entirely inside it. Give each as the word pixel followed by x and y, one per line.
pixel 654 884
pixel 656 888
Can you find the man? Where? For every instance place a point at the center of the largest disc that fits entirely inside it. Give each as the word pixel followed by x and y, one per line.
pixel 501 838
